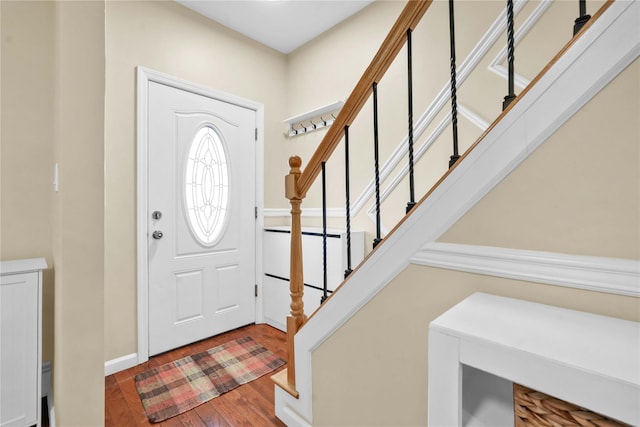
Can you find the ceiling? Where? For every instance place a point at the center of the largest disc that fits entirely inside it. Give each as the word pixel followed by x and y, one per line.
pixel 283 25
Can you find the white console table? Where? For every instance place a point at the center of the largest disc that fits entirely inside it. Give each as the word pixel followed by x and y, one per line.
pixel 20 342
pixel 478 348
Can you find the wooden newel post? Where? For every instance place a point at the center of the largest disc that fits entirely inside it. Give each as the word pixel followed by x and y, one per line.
pixel 296 278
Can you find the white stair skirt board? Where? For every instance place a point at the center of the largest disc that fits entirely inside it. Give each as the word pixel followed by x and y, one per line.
pixel 583 358
pixel 610 275
pixel 597 57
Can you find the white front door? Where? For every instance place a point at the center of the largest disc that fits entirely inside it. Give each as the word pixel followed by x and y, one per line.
pixel 201 225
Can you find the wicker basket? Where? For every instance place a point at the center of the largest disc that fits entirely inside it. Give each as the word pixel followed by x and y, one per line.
pixel 535 409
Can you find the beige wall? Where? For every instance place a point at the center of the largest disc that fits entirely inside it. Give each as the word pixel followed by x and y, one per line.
pixel 578 193
pixel 26 170
pixel 169 38
pixel 52 111
pixel 373 370
pixel 78 230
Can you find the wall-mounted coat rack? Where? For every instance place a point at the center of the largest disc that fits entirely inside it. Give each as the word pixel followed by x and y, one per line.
pixel 313 120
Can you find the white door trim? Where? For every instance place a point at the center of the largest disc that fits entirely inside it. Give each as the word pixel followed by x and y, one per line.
pixel 144 76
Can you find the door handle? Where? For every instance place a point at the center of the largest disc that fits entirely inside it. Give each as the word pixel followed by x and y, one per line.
pixel 157 235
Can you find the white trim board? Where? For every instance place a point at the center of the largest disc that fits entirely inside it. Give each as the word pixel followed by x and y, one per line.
pixel 598 56
pixel 144 76
pixel 610 275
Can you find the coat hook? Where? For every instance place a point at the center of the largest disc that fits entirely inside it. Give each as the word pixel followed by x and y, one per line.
pixel 300 130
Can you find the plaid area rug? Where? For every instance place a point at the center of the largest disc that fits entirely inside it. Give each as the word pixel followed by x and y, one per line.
pixel 176 387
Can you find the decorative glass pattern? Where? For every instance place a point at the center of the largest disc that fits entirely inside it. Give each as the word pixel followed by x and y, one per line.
pixel 206 186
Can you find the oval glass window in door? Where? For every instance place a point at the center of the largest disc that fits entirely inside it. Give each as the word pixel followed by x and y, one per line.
pixel 206 186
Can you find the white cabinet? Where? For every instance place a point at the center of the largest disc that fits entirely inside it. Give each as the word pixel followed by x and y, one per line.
pixel 20 338
pixel 277 253
pixel 482 345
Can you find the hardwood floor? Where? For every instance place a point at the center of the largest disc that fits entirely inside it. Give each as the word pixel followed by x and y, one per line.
pixel 248 405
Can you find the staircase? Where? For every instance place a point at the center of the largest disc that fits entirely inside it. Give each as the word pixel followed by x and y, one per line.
pixel 607 44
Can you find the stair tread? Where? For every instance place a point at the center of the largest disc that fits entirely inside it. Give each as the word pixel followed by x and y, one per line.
pixel 280 379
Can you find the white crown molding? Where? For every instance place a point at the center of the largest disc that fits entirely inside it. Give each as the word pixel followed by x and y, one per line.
pixel 598 56
pixel 610 275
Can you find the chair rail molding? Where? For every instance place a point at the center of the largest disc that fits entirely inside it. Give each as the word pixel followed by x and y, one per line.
pixel 610 275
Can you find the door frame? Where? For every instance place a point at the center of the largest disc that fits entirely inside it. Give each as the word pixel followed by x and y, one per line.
pixel 143 77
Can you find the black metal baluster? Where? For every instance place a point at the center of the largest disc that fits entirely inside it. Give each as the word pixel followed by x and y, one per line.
pixel 510 56
pixel 582 19
pixel 375 155
pixel 348 201
pixel 324 234
pixel 454 99
pixel 412 201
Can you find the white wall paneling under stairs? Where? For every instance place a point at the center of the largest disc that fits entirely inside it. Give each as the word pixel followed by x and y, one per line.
pixel 277 244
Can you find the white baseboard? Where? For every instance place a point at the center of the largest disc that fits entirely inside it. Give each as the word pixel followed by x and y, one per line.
pixel 52 415
pixel 274 323
pixel 285 412
pixel 120 364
